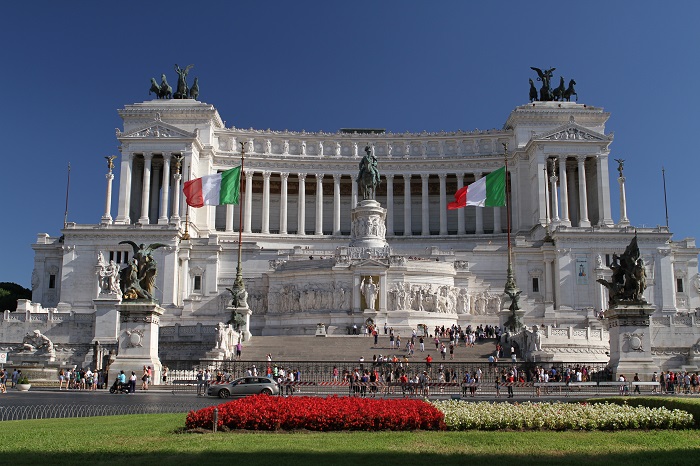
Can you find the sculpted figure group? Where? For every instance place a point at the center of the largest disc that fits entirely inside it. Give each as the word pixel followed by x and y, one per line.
pixel 546 93
pixel 183 91
pixel 629 279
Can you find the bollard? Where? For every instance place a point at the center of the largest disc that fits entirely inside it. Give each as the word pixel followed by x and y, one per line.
pixel 216 419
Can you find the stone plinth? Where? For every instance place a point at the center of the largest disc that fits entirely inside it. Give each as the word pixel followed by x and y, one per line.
pixel 368 225
pixel 106 319
pixel 630 340
pixel 138 340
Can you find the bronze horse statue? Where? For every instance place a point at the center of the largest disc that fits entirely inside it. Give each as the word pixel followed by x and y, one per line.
pixel 570 91
pixel 164 91
pixel 533 91
pixel 558 93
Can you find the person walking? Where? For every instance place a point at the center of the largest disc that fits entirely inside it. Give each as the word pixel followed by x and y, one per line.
pixel 144 379
pixel 422 344
pixel 132 383
pixel 636 385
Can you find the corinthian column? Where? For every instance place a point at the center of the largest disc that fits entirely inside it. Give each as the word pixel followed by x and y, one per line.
pixel 165 192
pixel 107 217
pixel 582 193
pixel 624 221
pixel 407 230
pixel 127 166
pixel 301 217
pixel 146 191
pixel 425 205
pixel 265 228
pixel 283 203
pixel 564 190
pixel 319 204
pixel 443 204
pixel 390 205
pixel 336 203
pixel 248 201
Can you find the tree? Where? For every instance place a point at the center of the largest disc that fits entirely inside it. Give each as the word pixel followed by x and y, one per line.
pixel 10 293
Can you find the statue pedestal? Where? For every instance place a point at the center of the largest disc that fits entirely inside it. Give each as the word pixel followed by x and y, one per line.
pixel 504 315
pixel 540 356
pixel 368 225
pixel 215 355
pixel 630 340
pixel 138 340
pixel 106 319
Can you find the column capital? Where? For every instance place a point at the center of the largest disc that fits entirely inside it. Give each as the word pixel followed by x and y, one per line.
pixel 319 176
pixel 109 176
pixel 284 175
pixel 337 177
pixel 148 156
pixel 478 175
pixel 581 158
pixel 301 176
pixel 442 176
pixel 389 176
pixel 406 177
pixel 553 178
pixel 266 174
pixel 424 176
pixel 249 174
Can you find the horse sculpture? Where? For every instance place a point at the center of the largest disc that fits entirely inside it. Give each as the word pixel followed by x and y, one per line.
pixel 558 93
pixel 164 91
pixel 533 91
pixel 570 91
pixel 194 90
pixel 368 178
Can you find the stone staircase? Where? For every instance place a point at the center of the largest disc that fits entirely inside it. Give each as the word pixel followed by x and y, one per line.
pixel 351 348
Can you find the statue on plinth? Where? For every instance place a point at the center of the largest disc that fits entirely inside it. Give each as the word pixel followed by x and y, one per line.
pixel 39 343
pixel 108 276
pixel 138 279
pixel 368 177
pixel 369 291
pixel 545 76
pixel 182 91
pixel 628 280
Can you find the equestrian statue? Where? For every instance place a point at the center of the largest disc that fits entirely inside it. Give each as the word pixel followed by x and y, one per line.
pixel 368 178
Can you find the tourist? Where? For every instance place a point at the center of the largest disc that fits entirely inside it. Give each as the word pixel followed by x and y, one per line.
pixel 89 379
pixel 386 329
pixel 443 351
pixel 165 374
pixel 335 373
pixel 510 380
pixel 513 356
pixel 121 381
pixel 200 383
pixel 636 385
pixel 150 376
pixel 452 350
pixel 15 377
pixel 391 340
pixel 623 385
pixel 144 379
pixel 3 381
pixel 207 381
pixel 437 341
pixel 239 350
pixel 61 379
pixel 354 329
pixel 422 344
pixel 654 378
pixel 132 383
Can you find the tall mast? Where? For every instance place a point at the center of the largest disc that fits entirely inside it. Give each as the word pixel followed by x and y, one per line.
pixel 65 215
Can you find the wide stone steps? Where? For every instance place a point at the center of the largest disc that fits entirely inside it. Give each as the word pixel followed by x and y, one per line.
pixel 351 348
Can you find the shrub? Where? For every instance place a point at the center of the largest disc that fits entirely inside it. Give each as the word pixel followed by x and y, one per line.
pixel 691 405
pixel 262 412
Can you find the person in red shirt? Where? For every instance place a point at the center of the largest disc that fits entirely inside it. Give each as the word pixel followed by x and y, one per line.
pixel 428 361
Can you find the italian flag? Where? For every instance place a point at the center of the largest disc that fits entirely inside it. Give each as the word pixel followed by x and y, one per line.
pixel 220 188
pixel 489 191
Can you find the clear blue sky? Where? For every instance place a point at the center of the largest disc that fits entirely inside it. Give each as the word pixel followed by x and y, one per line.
pixel 68 66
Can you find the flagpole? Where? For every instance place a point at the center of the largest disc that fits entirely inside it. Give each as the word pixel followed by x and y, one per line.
pixel 65 215
pixel 511 289
pixel 663 175
pixel 238 284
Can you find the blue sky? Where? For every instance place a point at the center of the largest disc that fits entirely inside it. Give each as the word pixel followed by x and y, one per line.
pixel 68 66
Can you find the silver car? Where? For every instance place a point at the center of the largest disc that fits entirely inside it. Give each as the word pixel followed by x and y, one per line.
pixel 244 386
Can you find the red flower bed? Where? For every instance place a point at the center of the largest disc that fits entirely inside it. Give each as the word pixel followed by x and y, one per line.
pixel 262 412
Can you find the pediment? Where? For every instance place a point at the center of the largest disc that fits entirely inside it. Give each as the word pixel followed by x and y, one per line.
pixel 157 129
pixel 572 131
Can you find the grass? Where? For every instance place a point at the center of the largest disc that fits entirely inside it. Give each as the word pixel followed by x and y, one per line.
pixel 136 439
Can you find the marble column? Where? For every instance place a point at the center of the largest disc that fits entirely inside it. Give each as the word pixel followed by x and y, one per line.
pixel 107 217
pixel 407 229
pixel 127 166
pixel 555 198
pixel 390 205
pixel 583 195
pixel 153 196
pixel 443 204
pixel 604 214
pixel 461 225
pixel 571 194
pixel 175 217
pixel 248 214
pixel 564 191
pixel 479 211
pixel 425 205
pixel 497 228
pixel 165 192
pixel 265 228
pixel 319 204
pixel 336 204
pixel 353 196
pixel 230 212
pixel 283 203
pixel 624 221
pixel 146 191
pixel 301 216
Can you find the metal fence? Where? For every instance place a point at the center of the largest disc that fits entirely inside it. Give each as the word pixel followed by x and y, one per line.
pixel 13 413
pixel 445 377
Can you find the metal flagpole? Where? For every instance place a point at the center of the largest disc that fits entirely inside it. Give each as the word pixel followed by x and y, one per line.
pixel 663 175
pixel 511 288
pixel 65 215
pixel 238 284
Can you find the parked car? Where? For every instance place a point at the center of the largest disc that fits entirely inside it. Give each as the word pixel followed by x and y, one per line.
pixel 244 386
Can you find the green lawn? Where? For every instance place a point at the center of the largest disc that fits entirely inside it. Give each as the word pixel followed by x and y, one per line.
pixel 154 438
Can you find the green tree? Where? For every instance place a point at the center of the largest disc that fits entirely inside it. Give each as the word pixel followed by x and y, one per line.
pixel 10 293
